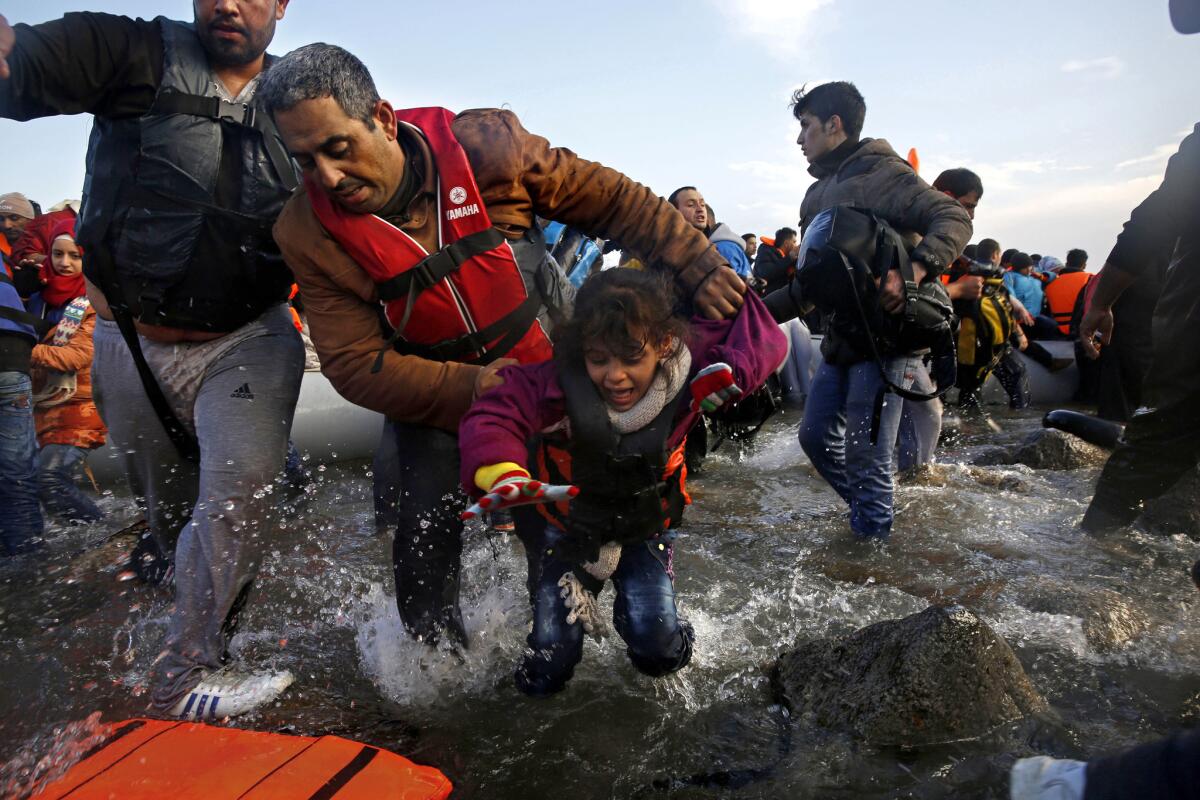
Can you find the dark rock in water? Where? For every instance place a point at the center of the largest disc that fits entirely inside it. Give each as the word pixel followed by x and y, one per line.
pixel 1053 449
pixel 1177 511
pixel 1110 621
pixel 994 455
pixel 1044 449
pixel 939 475
pixel 937 676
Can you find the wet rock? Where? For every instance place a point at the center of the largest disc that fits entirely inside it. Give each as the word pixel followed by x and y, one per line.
pixel 1177 511
pixel 1053 449
pixel 1044 449
pixel 994 455
pixel 940 675
pixel 1110 621
pixel 939 475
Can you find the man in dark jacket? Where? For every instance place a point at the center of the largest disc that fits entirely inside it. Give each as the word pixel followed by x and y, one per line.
pixel 776 263
pixel 199 385
pixel 840 415
pixel 1161 443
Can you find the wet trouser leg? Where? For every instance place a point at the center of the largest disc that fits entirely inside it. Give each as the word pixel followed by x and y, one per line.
pixel 644 612
pixel 1158 448
pixel 1015 380
pixel 240 393
pixel 243 449
pixel 836 436
pixel 58 466
pixel 920 425
pixel 1165 770
pixel 155 469
pixel 20 515
pixel 385 481
pixel 427 547
pixel 555 646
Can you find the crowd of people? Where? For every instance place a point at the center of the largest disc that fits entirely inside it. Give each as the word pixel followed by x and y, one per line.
pixel 222 182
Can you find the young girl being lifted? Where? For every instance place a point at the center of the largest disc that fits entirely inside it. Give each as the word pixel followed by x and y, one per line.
pixel 602 427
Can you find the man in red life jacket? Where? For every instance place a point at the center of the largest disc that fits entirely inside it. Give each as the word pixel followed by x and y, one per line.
pixel 432 215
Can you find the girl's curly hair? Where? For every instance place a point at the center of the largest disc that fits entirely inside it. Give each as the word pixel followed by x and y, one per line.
pixel 624 310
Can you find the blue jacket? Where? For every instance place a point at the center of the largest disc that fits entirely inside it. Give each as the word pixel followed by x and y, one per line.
pixel 10 299
pixel 733 248
pixel 1027 290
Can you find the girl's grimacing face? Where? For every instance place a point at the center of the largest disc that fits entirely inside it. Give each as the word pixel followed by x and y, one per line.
pixel 623 381
pixel 66 258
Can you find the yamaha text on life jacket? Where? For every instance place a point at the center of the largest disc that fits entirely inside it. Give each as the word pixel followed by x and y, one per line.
pixel 466 301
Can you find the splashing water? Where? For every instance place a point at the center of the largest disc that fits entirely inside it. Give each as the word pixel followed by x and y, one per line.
pixel 764 560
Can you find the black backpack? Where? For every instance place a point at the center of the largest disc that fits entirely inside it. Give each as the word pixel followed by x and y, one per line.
pixel 845 251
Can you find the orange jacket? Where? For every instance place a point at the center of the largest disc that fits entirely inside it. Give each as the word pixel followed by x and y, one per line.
pixel 75 422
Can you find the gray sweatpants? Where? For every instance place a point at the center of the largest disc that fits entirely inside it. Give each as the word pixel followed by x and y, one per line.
pixel 238 393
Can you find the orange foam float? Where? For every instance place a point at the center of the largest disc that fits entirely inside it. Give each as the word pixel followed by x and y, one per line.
pixel 144 758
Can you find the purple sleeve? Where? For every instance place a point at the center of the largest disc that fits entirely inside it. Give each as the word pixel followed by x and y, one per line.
pixel 499 424
pixel 751 344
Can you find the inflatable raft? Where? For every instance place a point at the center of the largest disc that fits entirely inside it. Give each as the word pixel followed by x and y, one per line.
pixel 144 758
pixel 327 427
pixel 1049 389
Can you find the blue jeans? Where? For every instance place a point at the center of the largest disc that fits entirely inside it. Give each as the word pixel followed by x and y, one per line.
pixel 644 612
pixel 20 514
pixel 836 436
pixel 58 464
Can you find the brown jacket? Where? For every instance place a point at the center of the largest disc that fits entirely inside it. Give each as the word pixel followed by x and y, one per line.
pixel 519 175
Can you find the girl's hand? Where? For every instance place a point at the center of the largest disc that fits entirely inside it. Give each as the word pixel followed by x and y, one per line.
pixel 712 387
pixel 519 490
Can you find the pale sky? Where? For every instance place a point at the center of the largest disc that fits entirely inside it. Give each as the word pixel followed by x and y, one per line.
pixel 1067 109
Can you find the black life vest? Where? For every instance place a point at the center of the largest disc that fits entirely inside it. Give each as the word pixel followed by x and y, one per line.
pixel 178 203
pixel 631 487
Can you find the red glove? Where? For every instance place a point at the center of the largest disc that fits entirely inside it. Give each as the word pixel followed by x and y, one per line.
pixel 713 386
pixel 519 490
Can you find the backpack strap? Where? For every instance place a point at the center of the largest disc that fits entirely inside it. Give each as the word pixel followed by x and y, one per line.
pixel 22 317
pixel 185 442
pixel 243 114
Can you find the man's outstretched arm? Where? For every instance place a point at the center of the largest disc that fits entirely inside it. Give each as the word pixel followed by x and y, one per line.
pixel 82 63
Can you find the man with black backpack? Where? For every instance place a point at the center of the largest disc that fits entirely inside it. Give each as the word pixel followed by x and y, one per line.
pixel 853 414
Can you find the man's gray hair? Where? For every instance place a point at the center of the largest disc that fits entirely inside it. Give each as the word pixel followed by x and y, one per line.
pixel 320 70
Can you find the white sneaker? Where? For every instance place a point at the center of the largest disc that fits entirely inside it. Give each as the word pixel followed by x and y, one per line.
pixel 228 694
pixel 1045 778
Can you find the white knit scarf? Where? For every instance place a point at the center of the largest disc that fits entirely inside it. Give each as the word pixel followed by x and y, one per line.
pixel 667 383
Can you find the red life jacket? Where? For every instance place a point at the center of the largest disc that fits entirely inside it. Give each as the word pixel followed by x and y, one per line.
pixel 466 301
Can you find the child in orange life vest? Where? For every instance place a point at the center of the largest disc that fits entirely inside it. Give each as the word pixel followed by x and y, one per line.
pixel 67 422
pixel 602 426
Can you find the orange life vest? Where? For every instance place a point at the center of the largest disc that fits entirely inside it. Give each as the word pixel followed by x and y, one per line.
pixel 1061 294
